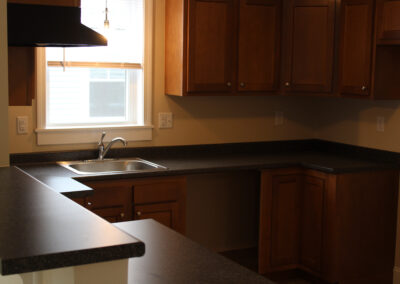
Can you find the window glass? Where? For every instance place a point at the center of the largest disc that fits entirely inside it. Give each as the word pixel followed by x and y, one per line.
pixel 99 85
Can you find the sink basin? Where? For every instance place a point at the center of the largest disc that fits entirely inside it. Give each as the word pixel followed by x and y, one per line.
pixel 111 166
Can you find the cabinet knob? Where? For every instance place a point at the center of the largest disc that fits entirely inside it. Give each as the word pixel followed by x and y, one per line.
pixel 229 84
pixel 89 203
pixel 363 88
pixel 242 84
pixel 287 84
pixel 138 213
pixel 122 215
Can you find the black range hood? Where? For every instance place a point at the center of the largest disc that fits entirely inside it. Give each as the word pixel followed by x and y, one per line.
pixel 38 25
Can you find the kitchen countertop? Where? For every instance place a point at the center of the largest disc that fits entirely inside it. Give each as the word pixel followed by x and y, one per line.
pixel 41 229
pixel 173 258
pixel 199 160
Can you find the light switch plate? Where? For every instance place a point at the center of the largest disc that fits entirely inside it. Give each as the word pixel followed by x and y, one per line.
pixel 278 118
pixel 380 123
pixel 165 120
pixel 22 124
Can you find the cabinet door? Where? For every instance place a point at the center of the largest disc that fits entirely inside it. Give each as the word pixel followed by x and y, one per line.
pixel 309 45
pixel 163 199
pixel 355 47
pixel 388 12
pixel 312 213
pixel 279 221
pixel 211 46
pixel 164 213
pixel 80 200
pixel 110 200
pixel 259 44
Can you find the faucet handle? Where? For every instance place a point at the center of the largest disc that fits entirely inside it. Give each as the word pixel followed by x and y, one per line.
pixel 103 134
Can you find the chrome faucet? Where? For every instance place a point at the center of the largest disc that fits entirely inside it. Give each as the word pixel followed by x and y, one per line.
pixel 103 151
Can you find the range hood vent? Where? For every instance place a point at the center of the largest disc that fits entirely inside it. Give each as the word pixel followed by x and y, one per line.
pixel 38 25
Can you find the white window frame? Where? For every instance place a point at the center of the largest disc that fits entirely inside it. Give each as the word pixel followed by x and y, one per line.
pixel 74 135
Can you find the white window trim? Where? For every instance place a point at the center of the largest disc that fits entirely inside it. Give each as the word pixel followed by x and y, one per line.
pixel 53 136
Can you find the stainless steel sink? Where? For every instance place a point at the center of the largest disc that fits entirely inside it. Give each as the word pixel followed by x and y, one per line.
pixel 111 166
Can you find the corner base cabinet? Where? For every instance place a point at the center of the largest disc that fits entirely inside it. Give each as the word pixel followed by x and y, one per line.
pixel 339 227
pixel 162 199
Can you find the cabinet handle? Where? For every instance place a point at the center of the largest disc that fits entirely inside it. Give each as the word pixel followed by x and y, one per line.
pixel 229 84
pixel 242 84
pixel 89 203
pixel 287 84
pixel 138 213
pixel 363 88
pixel 122 215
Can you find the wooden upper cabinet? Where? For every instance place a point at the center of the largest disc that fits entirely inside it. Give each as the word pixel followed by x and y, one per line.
pixel 70 3
pixel 309 45
pixel 259 45
pixel 355 47
pixel 211 46
pixel 388 16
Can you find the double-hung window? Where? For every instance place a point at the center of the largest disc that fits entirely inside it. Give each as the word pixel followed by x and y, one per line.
pixel 85 90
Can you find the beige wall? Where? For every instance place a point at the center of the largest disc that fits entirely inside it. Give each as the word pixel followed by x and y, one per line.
pixel 354 121
pixel 3 84
pixel 196 120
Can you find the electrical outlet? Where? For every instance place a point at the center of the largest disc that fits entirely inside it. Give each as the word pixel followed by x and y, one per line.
pixel 278 118
pixel 165 120
pixel 22 124
pixel 380 123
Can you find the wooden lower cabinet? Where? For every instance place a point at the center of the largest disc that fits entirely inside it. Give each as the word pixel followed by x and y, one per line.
pixel 338 227
pixel 162 199
pixel 111 200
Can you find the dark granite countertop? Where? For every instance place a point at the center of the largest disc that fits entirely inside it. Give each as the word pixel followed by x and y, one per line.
pixel 173 258
pixel 41 229
pixel 208 159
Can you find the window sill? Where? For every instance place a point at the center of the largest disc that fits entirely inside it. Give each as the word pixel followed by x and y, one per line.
pixel 58 136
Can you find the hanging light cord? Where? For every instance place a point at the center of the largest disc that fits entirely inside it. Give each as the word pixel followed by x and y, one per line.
pixel 106 22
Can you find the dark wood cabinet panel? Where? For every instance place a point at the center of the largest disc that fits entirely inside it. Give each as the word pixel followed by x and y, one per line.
pixel 341 228
pixel 312 220
pixel 259 45
pixel 163 199
pixel 388 17
pixel 285 224
pixel 279 220
pixel 309 45
pixel 21 76
pixel 165 213
pixel 211 46
pixel 160 198
pixel 110 200
pixel 355 47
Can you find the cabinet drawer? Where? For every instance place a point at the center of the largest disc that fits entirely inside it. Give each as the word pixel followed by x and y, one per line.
pixel 111 214
pixel 158 190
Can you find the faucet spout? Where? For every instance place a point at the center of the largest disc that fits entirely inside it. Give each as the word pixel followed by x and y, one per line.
pixel 103 151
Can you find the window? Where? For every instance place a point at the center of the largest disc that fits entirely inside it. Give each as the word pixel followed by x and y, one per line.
pixel 85 90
